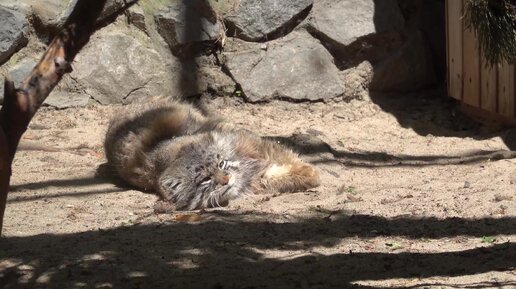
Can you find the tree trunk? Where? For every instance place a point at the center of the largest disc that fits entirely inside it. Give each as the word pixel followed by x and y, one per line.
pixel 20 104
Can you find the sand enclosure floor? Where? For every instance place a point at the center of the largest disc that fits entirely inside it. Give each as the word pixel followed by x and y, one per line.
pixel 413 195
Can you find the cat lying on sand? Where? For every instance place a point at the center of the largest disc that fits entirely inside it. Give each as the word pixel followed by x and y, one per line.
pixel 195 159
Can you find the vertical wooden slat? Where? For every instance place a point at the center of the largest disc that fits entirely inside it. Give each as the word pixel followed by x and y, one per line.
pixel 446 24
pixel 506 89
pixel 471 67
pixel 455 48
pixel 488 86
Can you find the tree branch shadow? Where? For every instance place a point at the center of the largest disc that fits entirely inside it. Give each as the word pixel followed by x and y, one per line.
pixel 21 199
pixel 319 152
pixel 74 182
pixel 229 254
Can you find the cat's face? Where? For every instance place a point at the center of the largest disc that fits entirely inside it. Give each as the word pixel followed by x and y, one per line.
pixel 206 176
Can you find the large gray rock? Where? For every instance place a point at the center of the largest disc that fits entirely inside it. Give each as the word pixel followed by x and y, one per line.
pixel 58 98
pixel 346 21
pixel 21 70
pixel 257 20
pixel 188 26
pixel 52 14
pixel 17 74
pixel 61 100
pixel 13 26
pixel 409 68
pixel 136 17
pixel 296 67
pixel 356 81
pixel 116 65
pixel 20 6
pixel 428 16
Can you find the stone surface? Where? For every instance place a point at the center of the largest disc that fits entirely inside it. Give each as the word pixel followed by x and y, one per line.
pixel 215 81
pixel 116 64
pixel 21 70
pixel 62 100
pixel 356 81
pixel 21 6
pixel 428 16
pixel 352 46
pixel 17 73
pixel 346 21
pixel 189 25
pixel 408 69
pixel 13 26
pixel 137 18
pixel 257 20
pixel 296 67
pixel 58 98
pixel 52 14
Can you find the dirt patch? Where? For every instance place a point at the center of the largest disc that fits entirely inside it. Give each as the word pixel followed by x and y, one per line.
pixel 413 196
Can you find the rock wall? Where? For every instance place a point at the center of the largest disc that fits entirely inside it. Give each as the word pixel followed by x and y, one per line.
pixel 300 50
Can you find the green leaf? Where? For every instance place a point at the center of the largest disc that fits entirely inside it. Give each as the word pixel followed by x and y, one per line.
pixel 394 245
pixel 488 239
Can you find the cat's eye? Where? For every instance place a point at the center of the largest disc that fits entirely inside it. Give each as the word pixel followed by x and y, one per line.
pixel 223 165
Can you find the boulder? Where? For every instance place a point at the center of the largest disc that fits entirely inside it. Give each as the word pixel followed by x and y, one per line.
pixel 137 18
pixel 58 98
pixel 257 20
pixel 61 100
pixel 296 67
pixel 20 6
pixel 50 15
pixel 357 30
pixel 356 81
pixel 408 69
pixel 17 74
pixel 116 64
pixel 428 16
pixel 188 26
pixel 13 26
pixel 346 21
pixel 21 70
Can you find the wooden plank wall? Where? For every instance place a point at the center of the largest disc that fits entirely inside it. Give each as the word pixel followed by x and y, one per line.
pixel 491 89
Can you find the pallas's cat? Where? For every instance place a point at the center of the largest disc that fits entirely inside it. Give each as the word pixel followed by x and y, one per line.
pixel 195 159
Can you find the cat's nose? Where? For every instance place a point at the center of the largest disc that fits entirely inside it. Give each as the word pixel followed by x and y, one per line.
pixel 223 179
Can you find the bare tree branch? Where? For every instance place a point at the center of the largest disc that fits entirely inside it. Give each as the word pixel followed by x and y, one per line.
pixel 20 104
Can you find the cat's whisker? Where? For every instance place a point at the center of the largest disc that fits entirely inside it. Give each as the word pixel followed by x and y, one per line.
pixel 210 201
pixel 217 196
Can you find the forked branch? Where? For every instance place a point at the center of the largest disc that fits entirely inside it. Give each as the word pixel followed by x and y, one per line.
pixel 20 104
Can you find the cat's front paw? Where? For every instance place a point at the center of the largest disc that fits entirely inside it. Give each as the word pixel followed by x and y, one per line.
pixel 169 189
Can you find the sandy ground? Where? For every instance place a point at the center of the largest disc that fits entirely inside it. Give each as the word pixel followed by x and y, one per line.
pixel 414 195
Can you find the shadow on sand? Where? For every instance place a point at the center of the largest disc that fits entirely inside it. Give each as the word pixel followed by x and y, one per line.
pixel 227 253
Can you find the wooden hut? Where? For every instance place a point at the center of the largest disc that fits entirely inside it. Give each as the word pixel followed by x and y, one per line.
pixel 486 92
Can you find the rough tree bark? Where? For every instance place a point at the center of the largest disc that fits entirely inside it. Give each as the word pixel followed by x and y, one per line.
pixel 20 104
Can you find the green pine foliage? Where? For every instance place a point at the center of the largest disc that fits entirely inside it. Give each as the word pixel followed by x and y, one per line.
pixel 494 22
